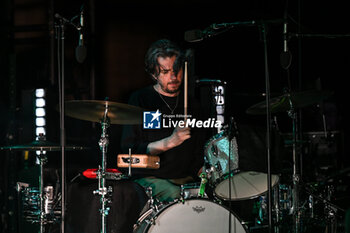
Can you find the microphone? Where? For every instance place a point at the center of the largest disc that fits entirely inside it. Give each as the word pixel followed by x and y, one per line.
pixel 80 50
pixel 232 131
pixel 197 35
pixel 286 56
pixel 210 81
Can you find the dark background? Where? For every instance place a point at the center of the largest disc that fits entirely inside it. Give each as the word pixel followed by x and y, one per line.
pixel 117 35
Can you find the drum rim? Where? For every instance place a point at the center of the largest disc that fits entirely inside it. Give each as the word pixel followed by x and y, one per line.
pixel 156 215
pixel 243 198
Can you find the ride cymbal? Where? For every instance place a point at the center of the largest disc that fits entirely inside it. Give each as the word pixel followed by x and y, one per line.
pixel 42 146
pixel 93 110
pixel 286 101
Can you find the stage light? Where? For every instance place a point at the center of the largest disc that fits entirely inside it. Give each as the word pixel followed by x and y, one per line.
pixel 39 93
pixel 40 131
pixel 40 112
pixel 40 122
pixel 40 102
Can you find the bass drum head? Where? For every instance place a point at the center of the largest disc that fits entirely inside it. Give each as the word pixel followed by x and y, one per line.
pixel 195 216
pixel 244 185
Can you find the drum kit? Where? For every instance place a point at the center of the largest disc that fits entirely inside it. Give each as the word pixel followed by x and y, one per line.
pixel 203 206
pixel 224 186
pixel 40 204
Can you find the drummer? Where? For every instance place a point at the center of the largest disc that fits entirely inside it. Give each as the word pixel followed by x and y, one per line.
pixel 180 148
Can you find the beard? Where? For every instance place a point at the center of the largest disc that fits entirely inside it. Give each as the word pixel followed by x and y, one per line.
pixel 174 90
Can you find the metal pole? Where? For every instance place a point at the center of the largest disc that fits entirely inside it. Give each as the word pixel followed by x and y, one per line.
pixel 102 189
pixel 296 175
pixel 268 128
pixel 41 191
pixel 62 130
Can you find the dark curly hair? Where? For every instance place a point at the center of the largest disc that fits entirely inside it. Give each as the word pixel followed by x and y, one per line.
pixel 163 48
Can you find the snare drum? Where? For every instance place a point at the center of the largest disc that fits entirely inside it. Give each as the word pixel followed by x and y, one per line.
pixel 222 156
pixel 193 215
pixel 244 185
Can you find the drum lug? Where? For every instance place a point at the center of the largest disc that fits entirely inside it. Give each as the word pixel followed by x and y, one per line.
pixel 214 150
pixel 218 167
pixel 152 220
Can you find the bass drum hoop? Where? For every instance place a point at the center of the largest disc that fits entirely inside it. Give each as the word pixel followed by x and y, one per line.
pixel 240 228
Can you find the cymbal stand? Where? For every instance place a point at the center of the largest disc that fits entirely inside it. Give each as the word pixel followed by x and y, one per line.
pixel 296 175
pixel 42 160
pixel 101 173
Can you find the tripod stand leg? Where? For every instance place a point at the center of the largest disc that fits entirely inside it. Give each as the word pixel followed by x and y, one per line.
pixel 296 173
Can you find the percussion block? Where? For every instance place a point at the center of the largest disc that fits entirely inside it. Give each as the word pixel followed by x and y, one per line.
pixel 138 161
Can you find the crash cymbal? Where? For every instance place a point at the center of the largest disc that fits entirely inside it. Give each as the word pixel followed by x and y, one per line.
pixel 284 102
pixel 93 110
pixel 41 145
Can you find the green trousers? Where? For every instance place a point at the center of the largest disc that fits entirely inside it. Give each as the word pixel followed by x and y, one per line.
pixel 162 189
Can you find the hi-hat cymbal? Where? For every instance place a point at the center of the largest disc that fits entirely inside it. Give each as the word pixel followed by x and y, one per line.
pixel 42 146
pixel 93 110
pixel 284 102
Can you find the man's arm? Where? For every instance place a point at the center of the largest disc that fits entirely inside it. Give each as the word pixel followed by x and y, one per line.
pixel 178 136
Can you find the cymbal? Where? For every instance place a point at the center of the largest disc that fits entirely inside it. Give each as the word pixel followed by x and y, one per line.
pixel 283 103
pixel 93 110
pixel 42 146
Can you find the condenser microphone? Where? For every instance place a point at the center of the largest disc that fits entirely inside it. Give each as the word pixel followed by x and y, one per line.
pixel 195 35
pixel 286 56
pixel 80 50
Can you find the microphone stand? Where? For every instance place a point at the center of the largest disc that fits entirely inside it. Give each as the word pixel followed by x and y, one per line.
pixel 60 63
pixel 262 27
pixel 60 28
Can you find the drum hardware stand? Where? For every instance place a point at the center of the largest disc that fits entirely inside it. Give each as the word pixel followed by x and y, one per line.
pixel 60 36
pixel 231 135
pixel 42 160
pixel 330 210
pixel 295 210
pixel 130 161
pixel 103 191
pixel 152 205
pixel 43 197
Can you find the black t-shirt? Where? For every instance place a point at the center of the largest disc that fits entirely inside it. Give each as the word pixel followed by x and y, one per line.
pixel 179 162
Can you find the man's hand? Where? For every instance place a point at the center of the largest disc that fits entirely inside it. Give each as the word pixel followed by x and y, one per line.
pixel 178 136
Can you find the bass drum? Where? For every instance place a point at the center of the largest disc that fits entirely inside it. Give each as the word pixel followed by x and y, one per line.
pixel 193 215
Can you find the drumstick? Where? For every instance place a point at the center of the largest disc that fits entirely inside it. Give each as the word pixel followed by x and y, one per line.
pixel 185 92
